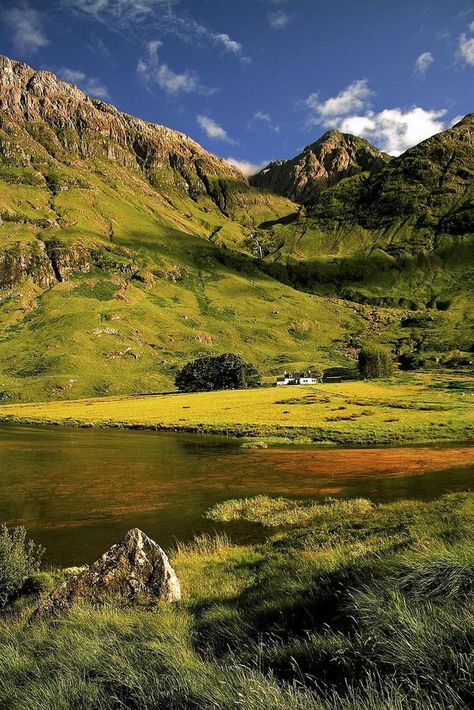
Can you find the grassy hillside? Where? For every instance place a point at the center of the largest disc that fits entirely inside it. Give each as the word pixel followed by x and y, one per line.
pixel 126 250
pixel 109 286
pixel 348 605
pixel 401 236
pixel 415 409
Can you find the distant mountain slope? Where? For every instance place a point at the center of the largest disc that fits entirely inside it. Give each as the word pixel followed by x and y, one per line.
pixel 323 163
pixel 399 236
pixel 430 186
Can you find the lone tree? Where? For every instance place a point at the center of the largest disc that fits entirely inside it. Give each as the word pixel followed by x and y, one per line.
pixel 375 362
pixel 223 372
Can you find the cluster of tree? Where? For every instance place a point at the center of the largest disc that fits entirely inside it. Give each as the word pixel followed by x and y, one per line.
pixel 223 372
pixel 375 362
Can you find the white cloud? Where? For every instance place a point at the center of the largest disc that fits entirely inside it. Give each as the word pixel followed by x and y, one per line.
pixel 192 32
pixel 213 130
pixel 394 130
pixel 91 85
pixel 466 46
pixel 245 166
pixel 278 20
pixel 229 44
pixel 263 118
pixel 423 63
pixel 152 70
pixel 25 25
pixel 455 120
pixel 352 98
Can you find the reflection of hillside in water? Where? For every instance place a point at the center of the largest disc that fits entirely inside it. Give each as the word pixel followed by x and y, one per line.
pixel 77 491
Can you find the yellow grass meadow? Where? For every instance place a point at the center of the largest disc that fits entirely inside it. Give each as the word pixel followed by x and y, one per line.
pixel 417 408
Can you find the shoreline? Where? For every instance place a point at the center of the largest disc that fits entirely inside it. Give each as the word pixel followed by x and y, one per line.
pixel 254 437
pixel 421 409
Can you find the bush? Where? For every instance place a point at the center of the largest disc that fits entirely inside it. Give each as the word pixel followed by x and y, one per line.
pixel 375 362
pixel 223 372
pixel 18 559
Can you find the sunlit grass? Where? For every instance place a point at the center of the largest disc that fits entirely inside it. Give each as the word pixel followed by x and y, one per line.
pixel 360 608
pixel 418 408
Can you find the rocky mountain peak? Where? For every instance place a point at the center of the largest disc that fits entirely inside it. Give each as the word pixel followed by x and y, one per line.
pixel 321 164
pixel 39 98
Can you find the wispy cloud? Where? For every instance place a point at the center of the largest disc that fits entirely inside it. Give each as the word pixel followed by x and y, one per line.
pixel 91 85
pixel 152 71
pixel 392 130
pixel 263 118
pixel 246 167
pixel 213 130
pixel 160 18
pixel 26 27
pixel 119 9
pixel 230 45
pixel 278 20
pixel 352 98
pixel 192 32
pixel 423 63
pixel 466 46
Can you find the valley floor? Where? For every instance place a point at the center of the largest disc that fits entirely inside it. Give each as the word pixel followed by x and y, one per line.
pixel 410 408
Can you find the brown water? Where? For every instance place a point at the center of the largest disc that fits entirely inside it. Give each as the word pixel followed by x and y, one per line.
pixel 77 491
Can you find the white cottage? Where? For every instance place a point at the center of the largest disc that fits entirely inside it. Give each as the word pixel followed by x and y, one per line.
pixel 299 378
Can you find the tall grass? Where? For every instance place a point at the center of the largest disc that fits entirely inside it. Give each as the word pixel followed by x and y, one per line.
pixel 366 607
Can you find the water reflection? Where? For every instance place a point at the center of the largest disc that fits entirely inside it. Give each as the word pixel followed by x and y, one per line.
pixel 77 491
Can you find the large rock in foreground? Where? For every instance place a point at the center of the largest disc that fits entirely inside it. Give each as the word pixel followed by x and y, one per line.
pixel 136 565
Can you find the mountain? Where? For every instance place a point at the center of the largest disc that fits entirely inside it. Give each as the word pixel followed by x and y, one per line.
pixel 430 187
pixel 126 249
pixel 400 236
pixel 322 164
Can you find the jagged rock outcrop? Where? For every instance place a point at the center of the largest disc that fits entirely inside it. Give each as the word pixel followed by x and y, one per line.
pixel 136 565
pixel 322 164
pixel 18 264
pixel 62 118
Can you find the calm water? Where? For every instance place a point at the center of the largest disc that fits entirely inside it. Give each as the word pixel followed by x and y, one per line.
pixel 77 491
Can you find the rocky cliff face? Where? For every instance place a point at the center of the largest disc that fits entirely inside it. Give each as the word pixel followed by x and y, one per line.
pixel 63 119
pixel 62 152
pixel 322 164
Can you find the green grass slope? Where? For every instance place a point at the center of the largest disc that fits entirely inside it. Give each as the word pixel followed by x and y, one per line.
pixel 401 236
pixel 126 250
pixel 109 286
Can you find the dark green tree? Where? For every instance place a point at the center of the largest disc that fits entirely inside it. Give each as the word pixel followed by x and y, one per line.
pixel 223 372
pixel 375 362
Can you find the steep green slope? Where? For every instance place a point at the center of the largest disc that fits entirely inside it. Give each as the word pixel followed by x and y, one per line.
pixel 124 252
pixel 401 236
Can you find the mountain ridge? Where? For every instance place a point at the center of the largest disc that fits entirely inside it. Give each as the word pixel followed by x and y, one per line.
pixel 323 163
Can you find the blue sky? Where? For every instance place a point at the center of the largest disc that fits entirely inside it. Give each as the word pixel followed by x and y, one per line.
pixel 257 80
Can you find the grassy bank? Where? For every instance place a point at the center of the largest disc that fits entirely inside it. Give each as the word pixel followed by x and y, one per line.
pixel 415 408
pixel 347 605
